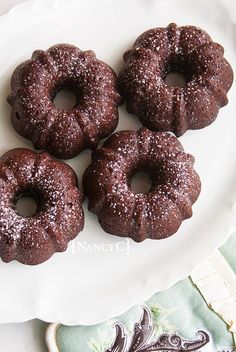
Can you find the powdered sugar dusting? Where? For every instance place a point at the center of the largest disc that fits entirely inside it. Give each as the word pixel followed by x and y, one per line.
pixel 188 50
pixel 156 214
pixel 64 132
pixel 59 216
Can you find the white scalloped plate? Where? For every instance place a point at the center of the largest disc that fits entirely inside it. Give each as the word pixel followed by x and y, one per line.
pixel 96 278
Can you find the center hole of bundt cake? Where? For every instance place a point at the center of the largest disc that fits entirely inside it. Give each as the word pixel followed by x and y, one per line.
pixel 177 72
pixel 65 99
pixel 26 206
pixel 175 79
pixel 141 182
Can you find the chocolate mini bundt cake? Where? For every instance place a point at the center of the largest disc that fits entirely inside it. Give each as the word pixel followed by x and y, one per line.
pixel 190 51
pixel 64 133
pixel 156 214
pixel 59 216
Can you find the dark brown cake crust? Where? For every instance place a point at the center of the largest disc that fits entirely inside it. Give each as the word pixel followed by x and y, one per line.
pixel 59 217
pixel 64 133
pixel 186 49
pixel 157 214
